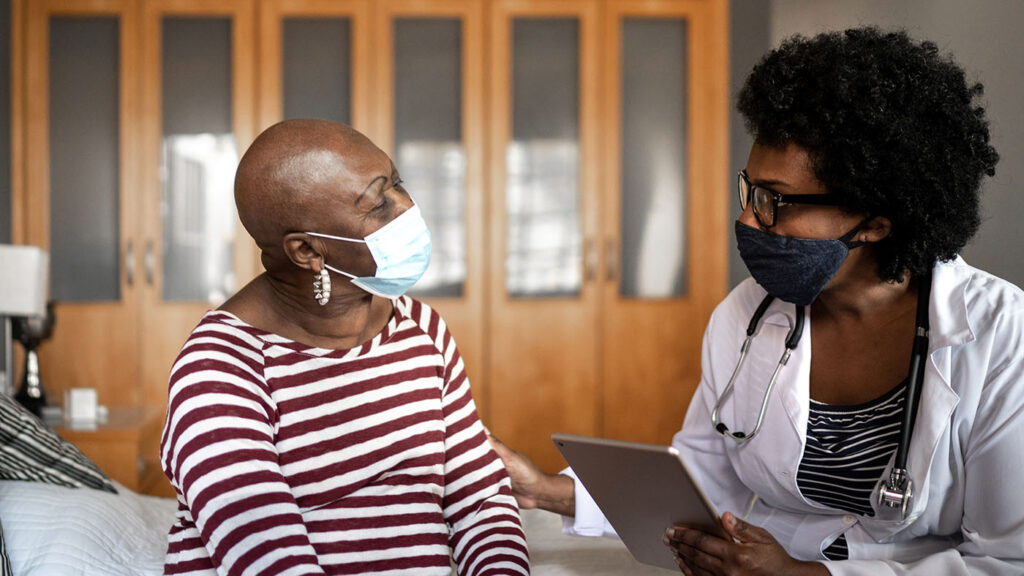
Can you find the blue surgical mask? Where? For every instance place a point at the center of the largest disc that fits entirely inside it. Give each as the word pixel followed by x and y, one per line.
pixel 401 250
pixel 794 270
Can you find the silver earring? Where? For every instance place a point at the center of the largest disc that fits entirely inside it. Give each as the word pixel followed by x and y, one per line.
pixel 322 287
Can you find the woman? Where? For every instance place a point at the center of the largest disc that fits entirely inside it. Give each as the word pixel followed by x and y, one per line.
pixel 859 191
pixel 320 422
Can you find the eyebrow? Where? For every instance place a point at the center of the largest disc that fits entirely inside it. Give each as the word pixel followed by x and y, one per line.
pixel 767 182
pixel 368 187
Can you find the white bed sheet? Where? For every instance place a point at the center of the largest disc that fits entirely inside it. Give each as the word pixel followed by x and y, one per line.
pixel 56 531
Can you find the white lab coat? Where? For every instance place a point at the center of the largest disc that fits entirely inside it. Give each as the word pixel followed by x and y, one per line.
pixel 966 456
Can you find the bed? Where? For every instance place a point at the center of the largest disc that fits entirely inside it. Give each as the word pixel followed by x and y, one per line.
pixel 59 531
pixel 61 516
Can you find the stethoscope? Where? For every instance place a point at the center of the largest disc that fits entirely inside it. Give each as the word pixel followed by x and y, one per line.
pixel 897 492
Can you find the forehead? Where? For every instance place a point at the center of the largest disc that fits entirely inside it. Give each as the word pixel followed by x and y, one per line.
pixel 362 166
pixel 786 166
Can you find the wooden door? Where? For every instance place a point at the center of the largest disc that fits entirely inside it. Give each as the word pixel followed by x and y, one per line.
pixel 666 195
pixel 544 296
pixel 79 199
pixel 198 116
pixel 430 104
pixel 315 62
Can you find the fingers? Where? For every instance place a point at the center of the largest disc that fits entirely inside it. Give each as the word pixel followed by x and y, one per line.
pixel 741 531
pixel 691 542
pixel 697 552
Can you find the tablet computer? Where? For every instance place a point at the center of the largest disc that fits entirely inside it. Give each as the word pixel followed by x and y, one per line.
pixel 642 489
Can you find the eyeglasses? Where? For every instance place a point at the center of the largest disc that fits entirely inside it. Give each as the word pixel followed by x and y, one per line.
pixel 767 201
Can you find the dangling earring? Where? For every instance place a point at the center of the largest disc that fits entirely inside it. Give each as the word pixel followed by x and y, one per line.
pixel 322 287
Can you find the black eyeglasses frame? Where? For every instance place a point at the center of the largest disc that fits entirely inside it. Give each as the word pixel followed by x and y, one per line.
pixel 777 199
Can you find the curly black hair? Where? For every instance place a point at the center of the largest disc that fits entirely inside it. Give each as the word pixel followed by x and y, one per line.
pixel 892 128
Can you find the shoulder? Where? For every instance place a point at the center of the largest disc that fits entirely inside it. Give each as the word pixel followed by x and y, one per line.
pixel 974 301
pixel 422 315
pixel 227 329
pixel 986 293
pixel 220 339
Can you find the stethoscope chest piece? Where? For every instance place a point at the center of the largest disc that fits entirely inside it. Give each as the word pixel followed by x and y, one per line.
pixel 895 496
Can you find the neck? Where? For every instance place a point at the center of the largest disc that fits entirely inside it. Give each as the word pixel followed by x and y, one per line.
pixel 858 294
pixel 351 317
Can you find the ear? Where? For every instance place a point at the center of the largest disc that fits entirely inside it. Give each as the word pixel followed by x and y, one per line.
pixel 304 250
pixel 874 230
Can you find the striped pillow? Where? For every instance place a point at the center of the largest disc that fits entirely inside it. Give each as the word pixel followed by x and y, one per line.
pixel 30 450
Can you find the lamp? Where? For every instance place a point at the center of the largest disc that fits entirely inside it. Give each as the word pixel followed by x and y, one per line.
pixel 24 283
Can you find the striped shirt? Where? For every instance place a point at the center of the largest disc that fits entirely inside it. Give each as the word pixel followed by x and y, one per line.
pixel 848 449
pixel 294 460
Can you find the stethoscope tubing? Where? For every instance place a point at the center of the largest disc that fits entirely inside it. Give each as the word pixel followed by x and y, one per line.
pixel 792 341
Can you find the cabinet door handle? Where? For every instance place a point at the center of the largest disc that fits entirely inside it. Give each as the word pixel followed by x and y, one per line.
pixel 148 262
pixel 129 263
pixel 590 258
pixel 612 259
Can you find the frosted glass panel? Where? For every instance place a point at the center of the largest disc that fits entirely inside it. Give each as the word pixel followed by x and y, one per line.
pixel 542 197
pixel 317 68
pixel 428 142
pixel 198 161
pixel 84 159
pixel 654 148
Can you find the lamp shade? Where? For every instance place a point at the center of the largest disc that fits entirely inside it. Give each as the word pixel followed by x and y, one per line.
pixel 24 280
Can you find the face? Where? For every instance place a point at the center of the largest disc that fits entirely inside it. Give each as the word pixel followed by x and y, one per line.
pixel 787 170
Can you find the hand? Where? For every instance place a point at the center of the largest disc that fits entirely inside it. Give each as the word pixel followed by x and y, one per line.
pixel 532 487
pixel 754 552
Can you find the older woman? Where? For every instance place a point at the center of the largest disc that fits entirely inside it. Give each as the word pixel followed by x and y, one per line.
pixel 320 422
pixel 861 188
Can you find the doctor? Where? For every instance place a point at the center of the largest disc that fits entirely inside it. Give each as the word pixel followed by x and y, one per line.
pixel 860 190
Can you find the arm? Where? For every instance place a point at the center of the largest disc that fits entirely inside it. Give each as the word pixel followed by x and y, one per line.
pixel 534 488
pixel 486 534
pixel 219 454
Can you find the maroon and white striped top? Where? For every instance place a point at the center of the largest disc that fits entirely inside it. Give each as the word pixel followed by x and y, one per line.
pixel 295 460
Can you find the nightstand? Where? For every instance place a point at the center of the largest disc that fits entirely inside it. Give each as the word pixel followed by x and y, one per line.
pixel 125 446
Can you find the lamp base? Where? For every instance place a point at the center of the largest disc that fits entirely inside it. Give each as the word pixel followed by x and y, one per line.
pixel 31 394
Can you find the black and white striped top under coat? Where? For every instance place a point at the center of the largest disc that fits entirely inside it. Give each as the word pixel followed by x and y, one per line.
pixel 848 449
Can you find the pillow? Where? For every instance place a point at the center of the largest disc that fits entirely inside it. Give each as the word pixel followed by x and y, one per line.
pixel 32 451
pixel 52 530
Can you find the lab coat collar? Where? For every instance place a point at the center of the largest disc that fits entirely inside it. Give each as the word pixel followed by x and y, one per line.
pixel 947 312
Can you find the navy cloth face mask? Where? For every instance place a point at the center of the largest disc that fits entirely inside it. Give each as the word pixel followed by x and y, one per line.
pixel 794 270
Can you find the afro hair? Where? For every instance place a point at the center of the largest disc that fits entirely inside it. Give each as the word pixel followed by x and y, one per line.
pixel 892 128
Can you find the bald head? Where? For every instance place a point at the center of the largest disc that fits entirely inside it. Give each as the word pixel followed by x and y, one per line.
pixel 292 173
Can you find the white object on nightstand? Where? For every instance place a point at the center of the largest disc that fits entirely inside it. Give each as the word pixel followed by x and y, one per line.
pixel 80 405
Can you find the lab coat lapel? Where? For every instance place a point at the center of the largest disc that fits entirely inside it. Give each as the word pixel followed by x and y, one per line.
pixel 947 316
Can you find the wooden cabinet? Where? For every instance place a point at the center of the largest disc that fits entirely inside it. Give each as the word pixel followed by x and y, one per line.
pixel 135 112
pixel 607 215
pixel 569 156
pixel 125 446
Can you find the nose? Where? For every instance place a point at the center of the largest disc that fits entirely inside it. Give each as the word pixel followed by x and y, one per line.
pixel 402 204
pixel 747 217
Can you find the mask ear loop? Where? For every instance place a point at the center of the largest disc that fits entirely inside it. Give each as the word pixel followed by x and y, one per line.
pixel 847 239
